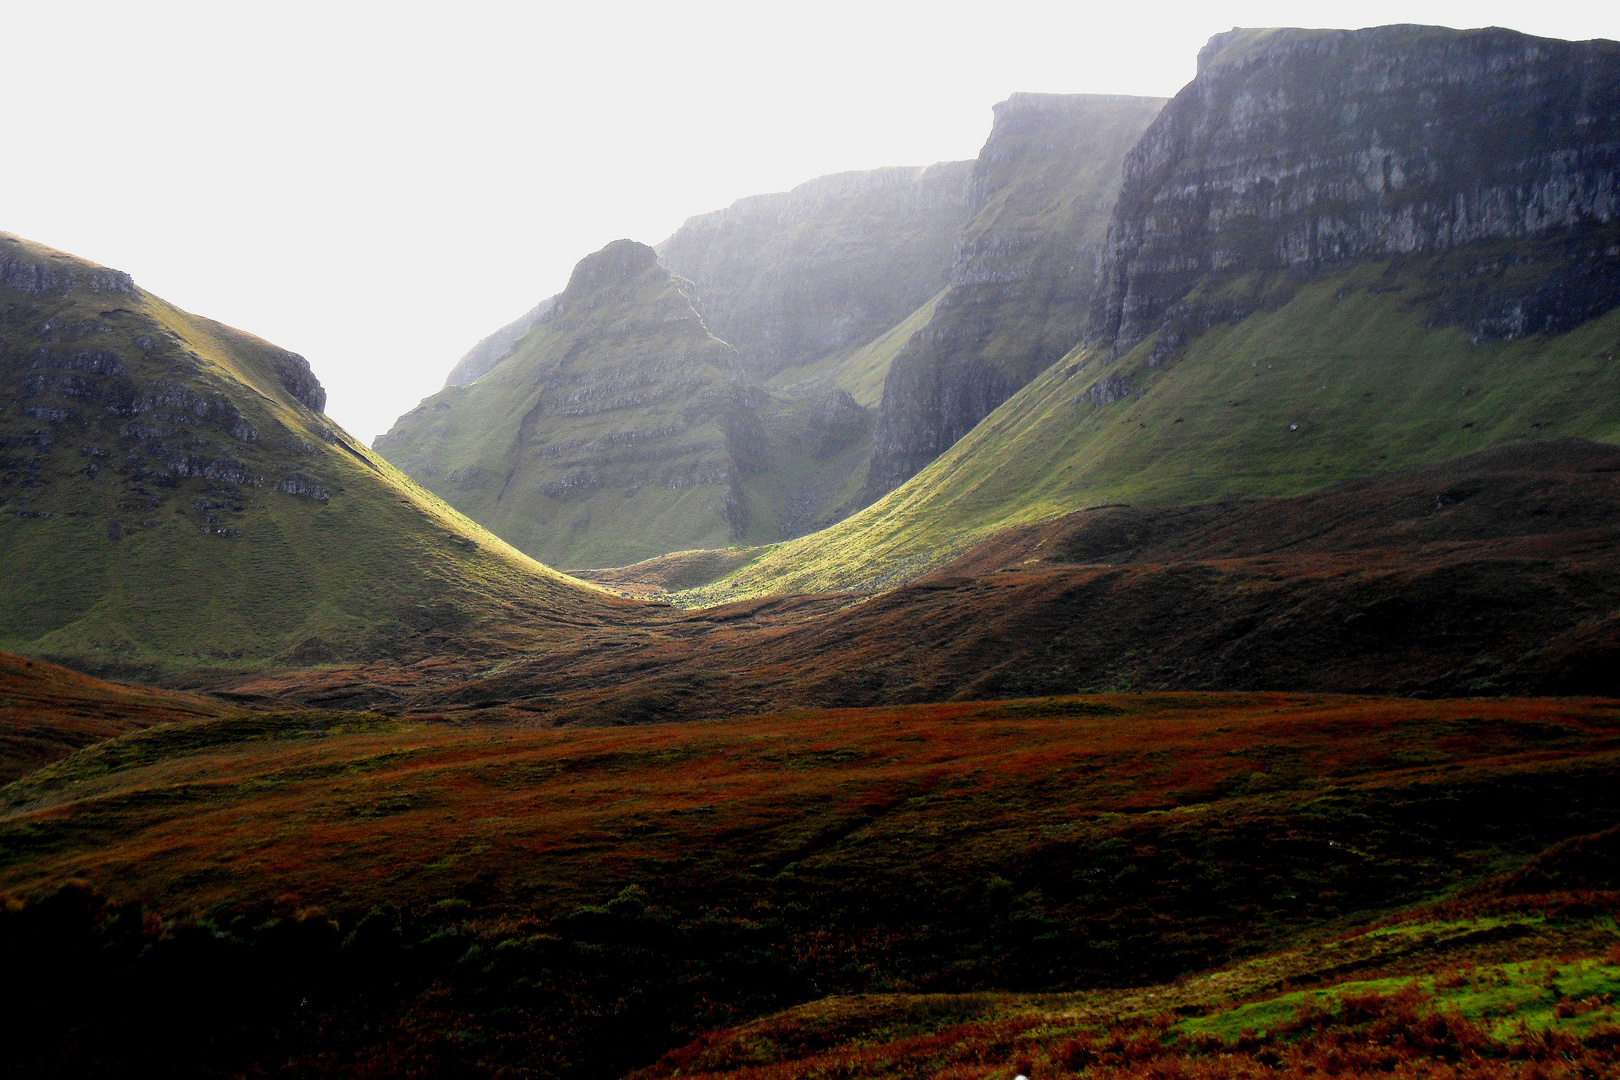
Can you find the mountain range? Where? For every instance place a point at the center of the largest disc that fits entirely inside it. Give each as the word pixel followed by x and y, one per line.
pixel 1313 273
pixel 851 303
pixel 1260 309
pixel 1142 603
pixel 1395 296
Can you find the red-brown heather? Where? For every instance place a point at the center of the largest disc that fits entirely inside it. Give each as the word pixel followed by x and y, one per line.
pixel 422 897
pixel 367 810
pixel 1401 1034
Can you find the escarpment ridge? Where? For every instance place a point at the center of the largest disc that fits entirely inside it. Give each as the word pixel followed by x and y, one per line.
pixel 1022 277
pixel 1333 252
pixel 1295 149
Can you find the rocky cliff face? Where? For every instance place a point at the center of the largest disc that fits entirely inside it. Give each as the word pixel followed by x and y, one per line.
pixel 40 273
pixel 1022 273
pixel 792 277
pixel 295 376
pixel 1294 150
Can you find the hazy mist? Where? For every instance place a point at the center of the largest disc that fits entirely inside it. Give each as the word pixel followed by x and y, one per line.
pixel 379 186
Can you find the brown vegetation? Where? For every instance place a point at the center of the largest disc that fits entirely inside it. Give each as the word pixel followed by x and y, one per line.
pixel 480 899
pixel 1489 574
pixel 47 712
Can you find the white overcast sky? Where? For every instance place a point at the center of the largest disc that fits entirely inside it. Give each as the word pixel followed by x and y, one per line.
pixel 377 186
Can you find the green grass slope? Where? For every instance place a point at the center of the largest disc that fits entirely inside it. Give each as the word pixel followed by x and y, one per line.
pixel 621 429
pixel 1342 376
pixel 173 501
pixel 608 436
pixel 1508 995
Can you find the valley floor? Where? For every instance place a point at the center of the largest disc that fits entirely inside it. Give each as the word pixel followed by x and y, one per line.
pixel 1488 574
pixel 243 891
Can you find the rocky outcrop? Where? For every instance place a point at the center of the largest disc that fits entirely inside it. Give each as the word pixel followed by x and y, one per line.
pixel 497 346
pixel 298 380
pixel 606 277
pixel 66 377
pixel 836 422
pixel 38 276
pixel 792 277
pixel 1022 275
pixel 1298 149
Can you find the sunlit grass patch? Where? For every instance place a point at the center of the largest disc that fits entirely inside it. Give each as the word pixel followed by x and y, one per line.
pixel 1574 995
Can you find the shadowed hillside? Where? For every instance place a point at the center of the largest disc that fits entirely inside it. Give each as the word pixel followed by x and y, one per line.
pixel 48 712
pixel 173 501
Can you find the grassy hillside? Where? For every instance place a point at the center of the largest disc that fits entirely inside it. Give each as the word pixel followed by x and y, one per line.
pixel 471 900
pixel 172 501
pixel 1343 376
pixel 47 712
pixel 606 437
pixel 620 429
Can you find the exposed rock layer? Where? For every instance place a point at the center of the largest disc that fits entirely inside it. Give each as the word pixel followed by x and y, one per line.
pixel 1294 149
pixel 1022 273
